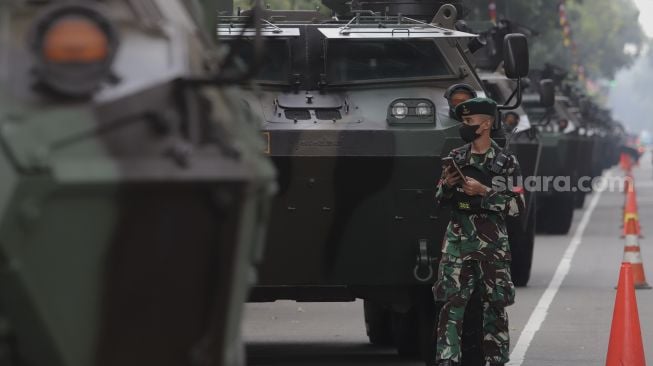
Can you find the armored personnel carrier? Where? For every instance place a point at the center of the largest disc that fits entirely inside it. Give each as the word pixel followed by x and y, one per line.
pixel 523 141
pixel 602 127
pixel 134 191
pixel 610 134
pixel 353 112
pixel 592 131
pixel 590 150
pixel 560 147
pixel 598 142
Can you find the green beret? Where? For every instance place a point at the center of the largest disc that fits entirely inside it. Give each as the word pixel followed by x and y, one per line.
pixel 476 106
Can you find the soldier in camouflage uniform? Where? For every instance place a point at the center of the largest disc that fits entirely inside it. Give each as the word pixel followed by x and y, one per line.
pixel 510 121
pixel 457 94
pixel 476 253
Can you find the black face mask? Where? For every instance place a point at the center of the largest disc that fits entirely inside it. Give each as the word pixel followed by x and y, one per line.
pixel 508 128
pixel 468 132
pixel 452 113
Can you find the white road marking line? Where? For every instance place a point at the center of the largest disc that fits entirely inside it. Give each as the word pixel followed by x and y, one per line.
pixel 541 310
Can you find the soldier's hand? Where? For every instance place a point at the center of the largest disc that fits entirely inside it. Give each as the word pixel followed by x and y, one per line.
pixel 451 177
pixel 472 187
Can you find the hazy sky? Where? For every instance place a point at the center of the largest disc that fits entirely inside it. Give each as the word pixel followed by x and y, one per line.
pixel 646 15
pixel 632 97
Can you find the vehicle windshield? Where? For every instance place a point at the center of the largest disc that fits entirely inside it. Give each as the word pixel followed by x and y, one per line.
pixel 494 92
pixel 366 60
pixel 536 112
pixel 275 67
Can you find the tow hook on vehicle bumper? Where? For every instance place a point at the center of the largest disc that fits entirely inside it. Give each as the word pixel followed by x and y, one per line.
pixel 423 271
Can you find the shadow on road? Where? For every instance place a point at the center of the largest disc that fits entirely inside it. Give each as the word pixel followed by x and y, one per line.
pixel 322 354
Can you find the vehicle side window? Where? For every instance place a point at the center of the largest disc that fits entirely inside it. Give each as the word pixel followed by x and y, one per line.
pixel 276 65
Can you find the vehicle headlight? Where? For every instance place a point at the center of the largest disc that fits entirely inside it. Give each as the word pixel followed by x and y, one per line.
pixel 74 46
pixel 411 111
pixel 424 109
pixel 399 110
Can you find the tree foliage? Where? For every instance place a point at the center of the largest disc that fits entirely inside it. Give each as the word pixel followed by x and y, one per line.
pixel 600 28
pixel 629 98
pixel 283 4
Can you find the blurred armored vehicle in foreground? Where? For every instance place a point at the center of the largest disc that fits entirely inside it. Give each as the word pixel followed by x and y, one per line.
pixel 353 110
pixel 134 192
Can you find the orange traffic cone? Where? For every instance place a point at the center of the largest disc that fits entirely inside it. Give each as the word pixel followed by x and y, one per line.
pixel 625 162
pixel 633 256
pixel 625 347
pixel 628 186
pixel 628 183
pixel 630 212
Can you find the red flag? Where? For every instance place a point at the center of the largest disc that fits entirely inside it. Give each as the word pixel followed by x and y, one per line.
pixel 492 8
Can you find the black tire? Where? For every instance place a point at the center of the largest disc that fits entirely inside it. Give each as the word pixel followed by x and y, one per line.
pixel 522 241
pixel 579 200
pixel 423 320
pixel 404 331
pixel 414 331
pixel 560 214
pixel 378 324
pixel 542 211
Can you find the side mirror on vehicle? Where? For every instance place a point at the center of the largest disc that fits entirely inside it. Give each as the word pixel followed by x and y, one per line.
pixel 547 93
pixel 515 65
pixel 498 121
pixel 515 56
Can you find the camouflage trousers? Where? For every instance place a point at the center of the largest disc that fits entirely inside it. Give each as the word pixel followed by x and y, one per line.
pixel 457 280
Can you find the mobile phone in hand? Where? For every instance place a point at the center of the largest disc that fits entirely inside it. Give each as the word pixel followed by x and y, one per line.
pixel 448 161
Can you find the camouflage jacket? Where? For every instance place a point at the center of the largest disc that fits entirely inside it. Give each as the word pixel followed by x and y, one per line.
pixel 481 235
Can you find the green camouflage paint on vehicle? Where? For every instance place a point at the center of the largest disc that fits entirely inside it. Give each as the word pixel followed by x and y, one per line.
pixel 134 195
pixel 355 213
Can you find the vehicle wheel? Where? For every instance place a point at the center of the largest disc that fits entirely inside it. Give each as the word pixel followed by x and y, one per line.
pixel 521 247
pixel 378 324
pixel 579 200
pixel 560 215
pixel 414 331
pixel 542 212
pixel 404 331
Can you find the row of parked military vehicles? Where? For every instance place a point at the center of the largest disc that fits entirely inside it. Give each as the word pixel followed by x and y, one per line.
pixel 353 113
pixel 137 196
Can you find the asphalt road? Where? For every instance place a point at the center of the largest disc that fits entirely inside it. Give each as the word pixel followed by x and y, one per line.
pixel 575 330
